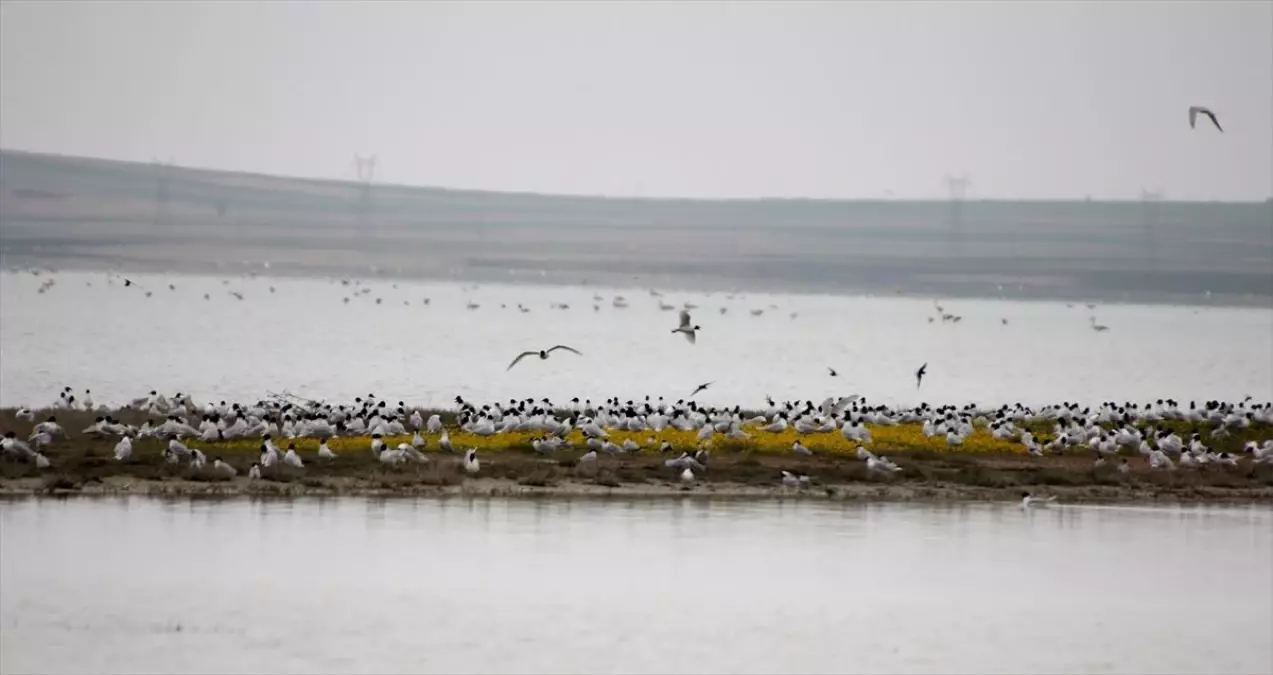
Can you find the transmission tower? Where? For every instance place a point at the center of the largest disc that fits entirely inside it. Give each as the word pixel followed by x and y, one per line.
pixel 957 189
pixel 365 169
pixel 163 177
pixel 1150 204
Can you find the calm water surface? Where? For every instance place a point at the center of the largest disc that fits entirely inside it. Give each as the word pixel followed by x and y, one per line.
pixel 303 337
pixel 481 586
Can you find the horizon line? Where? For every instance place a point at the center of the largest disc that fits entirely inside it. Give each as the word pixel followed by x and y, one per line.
pixel 564 195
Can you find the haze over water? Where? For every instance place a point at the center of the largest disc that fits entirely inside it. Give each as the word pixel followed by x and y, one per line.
pixel 90 332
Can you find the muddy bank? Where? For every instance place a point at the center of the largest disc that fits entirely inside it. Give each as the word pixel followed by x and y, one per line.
pixel 494 487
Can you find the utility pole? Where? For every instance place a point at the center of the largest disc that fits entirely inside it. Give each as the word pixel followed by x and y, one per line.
pixel 1150 203
pixel 957 189
pixel 365 169
pixel 163 175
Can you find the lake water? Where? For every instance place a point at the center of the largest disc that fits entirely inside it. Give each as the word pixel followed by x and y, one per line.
pixel 87 333
pixel 487 586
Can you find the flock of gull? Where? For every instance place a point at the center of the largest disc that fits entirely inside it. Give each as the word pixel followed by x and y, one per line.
pixel 1105 430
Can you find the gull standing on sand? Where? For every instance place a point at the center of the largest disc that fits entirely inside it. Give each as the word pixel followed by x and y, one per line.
pixel 687 328
pixel 124 448
pixel 543 354
pixel 1195 110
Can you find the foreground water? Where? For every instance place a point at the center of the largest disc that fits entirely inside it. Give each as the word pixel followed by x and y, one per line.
pixel 479 586
pixel 90 332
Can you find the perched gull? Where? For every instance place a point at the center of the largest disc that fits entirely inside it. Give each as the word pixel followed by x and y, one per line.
pixel 687 327
pixel 1195 110
pixel 1027 500
pixel 543 354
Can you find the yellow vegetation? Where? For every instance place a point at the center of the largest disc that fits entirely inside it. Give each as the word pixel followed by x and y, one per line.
pixel 884 439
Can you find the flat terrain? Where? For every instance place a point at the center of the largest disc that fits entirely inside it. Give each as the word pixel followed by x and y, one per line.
pixel 983 469
pixel 81 213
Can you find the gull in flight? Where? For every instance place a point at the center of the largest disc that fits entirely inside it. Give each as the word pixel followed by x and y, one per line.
pixel 1196 110
pixel 543 354
pixel 687 327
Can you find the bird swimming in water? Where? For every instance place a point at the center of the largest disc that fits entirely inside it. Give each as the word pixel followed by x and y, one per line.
pixel 543 354
pixel 1196 110
pixel 919 375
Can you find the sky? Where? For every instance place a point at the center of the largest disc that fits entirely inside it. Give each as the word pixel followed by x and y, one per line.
pixel 1029 100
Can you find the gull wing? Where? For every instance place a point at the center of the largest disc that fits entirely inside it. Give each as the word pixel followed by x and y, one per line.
pixel 1214 121
pixel 519 358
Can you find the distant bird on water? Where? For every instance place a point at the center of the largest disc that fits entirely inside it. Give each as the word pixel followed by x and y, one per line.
pixel 687 327
pixel 701 387
pixel 1196 110
pixel 919 375
pixel 543 354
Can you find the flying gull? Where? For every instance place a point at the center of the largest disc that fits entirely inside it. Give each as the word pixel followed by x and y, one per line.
pixel 543 354
pixel 1195 110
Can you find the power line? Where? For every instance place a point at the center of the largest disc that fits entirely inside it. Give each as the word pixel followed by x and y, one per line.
pixel 163 176
pixel 365 169
pixel 1150 211
pixel 957 189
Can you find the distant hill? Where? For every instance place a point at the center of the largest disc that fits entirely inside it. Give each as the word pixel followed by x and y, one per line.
pixel 78 212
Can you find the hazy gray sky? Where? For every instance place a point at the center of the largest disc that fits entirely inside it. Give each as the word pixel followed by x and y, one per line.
pixel 833 99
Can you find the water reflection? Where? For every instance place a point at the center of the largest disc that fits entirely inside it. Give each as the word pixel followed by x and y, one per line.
pixel 383 585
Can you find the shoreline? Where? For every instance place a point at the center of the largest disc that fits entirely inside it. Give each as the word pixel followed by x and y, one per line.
pixel 59 486
pixel 495 488
pixel 19 264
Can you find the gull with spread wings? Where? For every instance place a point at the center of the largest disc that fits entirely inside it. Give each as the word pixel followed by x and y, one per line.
pixel 687 326
pixel 1195 110
pixel 543 354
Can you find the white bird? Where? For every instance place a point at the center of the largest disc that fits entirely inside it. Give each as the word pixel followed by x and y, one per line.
pixel 223 468
pixel 687 328
pixel 1027 500
pixel 292 459
pixel 123 449
pixel 543 354
pixel 1195 110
